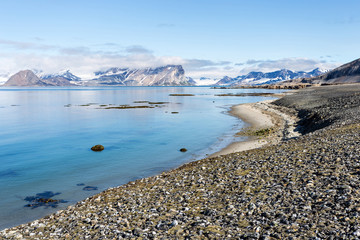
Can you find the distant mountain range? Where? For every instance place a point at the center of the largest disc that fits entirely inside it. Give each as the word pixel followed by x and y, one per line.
pixel 347 73
pixel 174 75
pixel 170 75
pixel 25 78
pixel 260 78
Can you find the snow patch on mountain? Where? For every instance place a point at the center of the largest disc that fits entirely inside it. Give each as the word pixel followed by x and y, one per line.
pixel 66 74
pixel 204 81
pixel 259 78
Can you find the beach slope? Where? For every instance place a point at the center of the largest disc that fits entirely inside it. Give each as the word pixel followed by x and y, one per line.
pixel 305 187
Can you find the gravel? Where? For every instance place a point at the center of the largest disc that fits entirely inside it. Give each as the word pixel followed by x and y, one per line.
pixel 303 188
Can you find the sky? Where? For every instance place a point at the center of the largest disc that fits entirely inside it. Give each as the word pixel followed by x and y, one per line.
pixel 209 38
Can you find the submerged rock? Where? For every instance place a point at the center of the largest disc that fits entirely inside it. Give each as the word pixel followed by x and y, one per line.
pixel 90 188
pixel 97 148
pixel 43 199
pixel 183 150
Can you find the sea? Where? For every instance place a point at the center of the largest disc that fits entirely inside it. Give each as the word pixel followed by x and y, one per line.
pixel 47 134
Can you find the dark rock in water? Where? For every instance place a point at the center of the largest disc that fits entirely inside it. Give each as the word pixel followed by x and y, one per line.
pixel 43 199
pixel 80 184
pixel 174 112
pixel 183 150
pixel 90 188
pixel 97 148
pixel 181 94
pixel 8 173
pixel 158 103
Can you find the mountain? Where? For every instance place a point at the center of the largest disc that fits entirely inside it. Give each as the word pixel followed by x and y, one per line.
pixel 25 78
pixel 63 78
pixel 28 78
pixel 191 81
pixel 170 75
pixel 226 81
pixel 66 74
pixel 259 78
pixel 347 73
pixel 205 81
pixel 3 78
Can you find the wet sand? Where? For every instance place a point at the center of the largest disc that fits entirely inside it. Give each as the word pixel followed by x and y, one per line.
pixel 259 116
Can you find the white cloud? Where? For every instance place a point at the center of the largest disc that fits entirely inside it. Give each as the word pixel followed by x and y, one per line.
pixel 26 45
pixel 294 64
pixel 137 49
pixel 79 63
pixel 84 61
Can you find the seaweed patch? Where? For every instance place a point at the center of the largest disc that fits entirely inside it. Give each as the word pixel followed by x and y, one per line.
pixel 43 199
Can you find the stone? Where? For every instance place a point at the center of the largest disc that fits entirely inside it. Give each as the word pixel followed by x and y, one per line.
pixel 97 148
pixel 90 188
pixel 183 150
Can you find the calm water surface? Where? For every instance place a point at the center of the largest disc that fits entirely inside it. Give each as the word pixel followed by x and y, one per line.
pixel 45 143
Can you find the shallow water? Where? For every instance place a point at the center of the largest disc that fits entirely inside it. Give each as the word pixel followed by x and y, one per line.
pixel 46 136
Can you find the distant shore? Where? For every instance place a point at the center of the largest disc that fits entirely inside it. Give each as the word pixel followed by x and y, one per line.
pixel 304 187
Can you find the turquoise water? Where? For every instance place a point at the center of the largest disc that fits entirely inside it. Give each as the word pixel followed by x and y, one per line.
pixel 45 143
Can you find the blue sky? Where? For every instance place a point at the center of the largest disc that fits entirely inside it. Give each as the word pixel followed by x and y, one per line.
pixel 209 38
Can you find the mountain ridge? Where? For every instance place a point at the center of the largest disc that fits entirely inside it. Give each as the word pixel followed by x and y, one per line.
pixel 261 78
pixel 174 75
pixel 346 73
pixel 169 75
pixel 24 78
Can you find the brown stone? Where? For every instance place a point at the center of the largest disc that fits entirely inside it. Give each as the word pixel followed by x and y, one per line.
pixel 97 148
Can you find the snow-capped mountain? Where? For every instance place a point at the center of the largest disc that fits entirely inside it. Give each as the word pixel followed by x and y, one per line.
pixel 170 75
pixel 66 74
pixel 347 73
pixel 205 81
pixel 62 78
pixel 259 78
pixel 3 78
pixel 28 78
pixel 25 78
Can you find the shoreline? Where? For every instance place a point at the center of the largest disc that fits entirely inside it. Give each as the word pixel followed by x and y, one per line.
pixel 260 116
pixel 256 118
pixel 301 188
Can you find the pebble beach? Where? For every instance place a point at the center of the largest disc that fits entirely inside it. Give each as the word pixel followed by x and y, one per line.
pixel 299 187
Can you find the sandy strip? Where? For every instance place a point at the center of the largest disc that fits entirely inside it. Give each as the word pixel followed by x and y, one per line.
pixel 259 116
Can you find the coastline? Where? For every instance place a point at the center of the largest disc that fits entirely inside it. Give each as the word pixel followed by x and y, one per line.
pixel 60 207
pixel 272 192
pixel 260 116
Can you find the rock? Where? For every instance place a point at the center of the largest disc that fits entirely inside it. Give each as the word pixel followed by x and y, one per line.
pixel 183 150
pixel 43 199
pixel 90 188
pixel 97 148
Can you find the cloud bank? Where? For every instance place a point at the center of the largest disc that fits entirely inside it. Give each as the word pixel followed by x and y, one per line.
pixel 84 60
